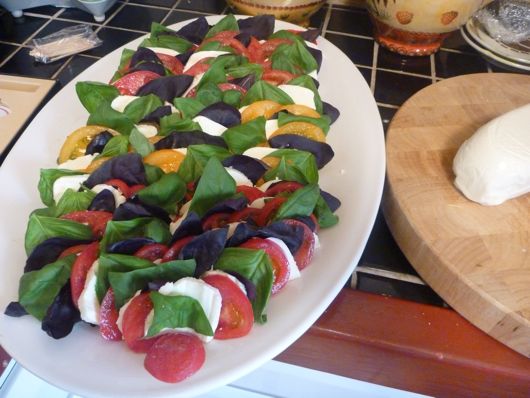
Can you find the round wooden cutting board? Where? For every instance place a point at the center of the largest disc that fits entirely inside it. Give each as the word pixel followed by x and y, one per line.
pixel 477 258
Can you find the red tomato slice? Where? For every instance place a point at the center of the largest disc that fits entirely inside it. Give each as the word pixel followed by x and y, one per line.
pixel 223 37
pixel 152 251
pixel 216 220
pixel 283 186
pixel 236 317
pixel 171 63
pixel 96 220
pixel 231 86
pixel 256 54
pixel 280 264
pixel 125 189
pixel 251 193
pixel 247 214
pixel 199 67
pixel 175 357
pixel 132 82
pixel 277 76
pixel 72 250
pixel 270 45
pixel 80 268
pixel 268 211
pixel 133 189
pixel 133 324
pixel 305 253
pixel 175 249
pixel 239 47
pixel 108 316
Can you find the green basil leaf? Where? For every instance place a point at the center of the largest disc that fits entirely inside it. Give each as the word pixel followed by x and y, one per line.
pixel 73 201
pixel 232 97
pixel 153 173
pixel 294 57
pixel 254 265
pixel 307 82
pixel 227 23
pixel 300 203
pixel 38 289
pixel 92 94
pixel 196 158
pixel 188 107
pixel 178 44
pixel 126 284
pixel 214 75
pixel 171 312
pixel 46 181
pixel 174 122
pixel 238 71
pixel 294 165
pixel 104 115
pixel 41 228
pixel 165 193
pixel 214 46
pixel 214 186
pixel 139 108
pixel 324 215
pixel 261 90
pixel 285 34
pixel 125 59
pixel 140 143
pixel 322 122
pixel 244 136
pixel 209 94
pixel 117 145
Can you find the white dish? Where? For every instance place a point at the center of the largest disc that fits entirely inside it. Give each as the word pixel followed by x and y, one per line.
pixel 87 365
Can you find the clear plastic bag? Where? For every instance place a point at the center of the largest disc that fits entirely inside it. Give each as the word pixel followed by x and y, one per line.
pixel 67 41
pixel 507 21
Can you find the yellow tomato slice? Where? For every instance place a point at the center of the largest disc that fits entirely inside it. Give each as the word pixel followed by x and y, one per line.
pixel 300 110
pixel 95 164
pixel 76 143
pixel 154 139
pixel 167 159
pixel 265 108
pixel 304 129
pixel 271 161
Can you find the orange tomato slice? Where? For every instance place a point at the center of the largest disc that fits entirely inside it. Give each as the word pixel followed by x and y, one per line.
pixel 76 143
pixel 167 159
pixel 265 108
pixel 96 163
pixel 300 110
pixel 304 129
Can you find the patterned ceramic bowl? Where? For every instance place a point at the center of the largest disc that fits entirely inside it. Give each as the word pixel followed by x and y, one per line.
pixel 296 11
pixel 418 27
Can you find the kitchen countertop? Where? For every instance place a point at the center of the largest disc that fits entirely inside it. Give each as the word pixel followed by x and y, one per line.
pixel 384 284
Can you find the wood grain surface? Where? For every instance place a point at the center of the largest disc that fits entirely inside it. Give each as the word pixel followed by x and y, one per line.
pixel 475 257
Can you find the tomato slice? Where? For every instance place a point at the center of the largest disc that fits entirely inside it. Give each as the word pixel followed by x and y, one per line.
pixel 304 255
pixel 77 141
pixel 108 317
pixel 80 269
pixel 236 317
pixel 175 357
pixel 247 214
pixel 255 51
pixel 280 264
pixel 277 76
pixel 216 220
pixel 133 324
pixel 304 129
pixel 77 249
pixel 175 249
pixel 96 220
pixel 223 37
pixel 167 159
pixel 270 45
pixel 126 190
pixel 268 211
pixel 231 86
pixel 199 67
pixel 152 251
pixel 283 186
pixel 171 63
pixel 251 193
pixel 132 82
pixel 265 108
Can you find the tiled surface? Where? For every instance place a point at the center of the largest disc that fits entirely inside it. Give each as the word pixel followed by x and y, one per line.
pixel 392 79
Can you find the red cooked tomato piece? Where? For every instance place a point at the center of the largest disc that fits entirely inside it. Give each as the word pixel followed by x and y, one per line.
pixel 125 189
pixel 199 67
pixel 175 249
pixel 269 210
pixel 72 250
pixel 231 86
pixel 251 193
pixel 277 76
pixel 171 63
pixel 80 269
pixel 132 82
pixel 305 253
pixel 239 47
pixel 175 357
pixel 108 317
pixel 216 220
pixel 246 214
pixel 270 45
pixel 280 264
pixel 223 37
pixel 236 317
pixel 256 54
pixel 96 220
pixel 283 186
pixel 133 324
pixel 152 251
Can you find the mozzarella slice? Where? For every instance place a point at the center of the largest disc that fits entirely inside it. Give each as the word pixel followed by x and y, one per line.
pixel 147 130
pixel 67 182
pixel 300 95
pixel 79 163
pixel 184 151
pixel 259 203
pixel 118 197
pixel 198 55
pixel 121 101
pixel 270 127
pixel 209 126
pixel 311 44
pixel 239 177
pixel 266 185
pixel 313 74
pixel 194 83
pixel 88 302
pixel 259 152
pixel 294 272
pixel 162 50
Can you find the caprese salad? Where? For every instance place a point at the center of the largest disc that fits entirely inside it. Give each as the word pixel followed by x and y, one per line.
pixel 191 195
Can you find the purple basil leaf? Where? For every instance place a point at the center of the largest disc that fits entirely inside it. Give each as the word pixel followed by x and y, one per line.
pixel 317 54
pixel 260 26
pixel 128 167
pixel 185 56
pixel 143 54
pixel 228 206
pixel 62 315
pixel 246 81
pixel 252 168
pixel 291 235
pixel 190 226
pixel 310 34
pixel 222 113
pixel 195 30
pixel 244 38
pixel 133 209
pixel 183 139
pixel 15 309
pixel 167 87
pixel 149 67
pixel 129 246
pixel 103 201
pixel 323 152
pixel 243 232
pixel 205 249
pixel 307 221
pixel 49 251
pixel 332 202
pixel 331 111
pixel 250 287
pixel 154 286
pixel 97 143
pixel 154 117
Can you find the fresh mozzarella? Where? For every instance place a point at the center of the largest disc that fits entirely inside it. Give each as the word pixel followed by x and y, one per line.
pixel 184 151
pixel 121 312
pixel 300 95
pixel 79 163
pixel 88 302
pixel 239 177
pixel 147 130
pixel 270 127
pixel 162 50
pixel 266 185
pixel 242 109
pixel 494 164
pixel 121 101
pixel 198 55
pixel 231 277
pixel 184 209
pixel 67 182
pixel 231 229
pixel 208 297
pixel 118 197
pixel 194 83
pixel 317 241
pixel 259 202
pixel 311 45
pixel 313 74
pixel 209 126
pixel 259 152
pixel 294 272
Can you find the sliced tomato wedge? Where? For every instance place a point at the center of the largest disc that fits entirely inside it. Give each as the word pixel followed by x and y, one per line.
pixel 270 45
pixel 304 255
pixel 255 51
pixel 231 86
pixel 132 82
pixel 280 264
pixel 133 324
pixel 199 67
pixel 269 210
pixel 277 76
pixel 216 220
pixel 80 269
pixel 77 249
pixel 152 251
pixel 171 63
pixel 223 37
pixel 175 357
pixel 251 193
pixel 236 317
pixel 175 249
pixel 283 186
pixel 246 214
pixel 108 317
pixel 96 220
pixel 126 190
